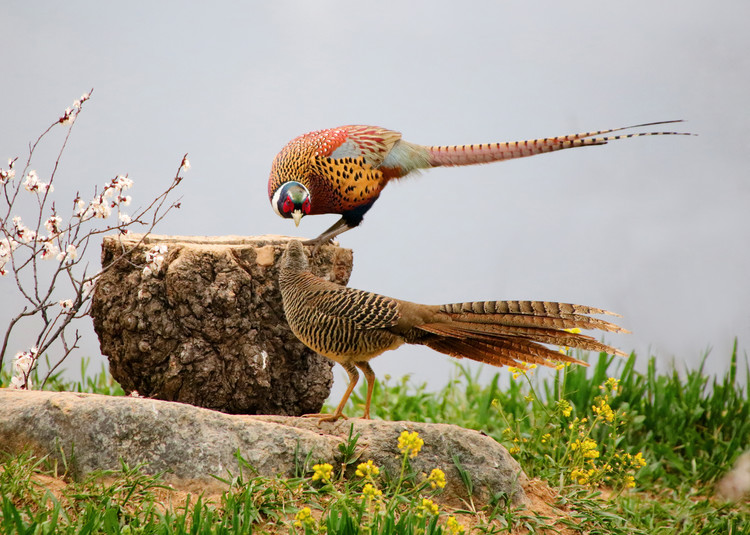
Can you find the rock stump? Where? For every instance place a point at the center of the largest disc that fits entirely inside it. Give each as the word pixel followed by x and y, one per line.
pixel 199 320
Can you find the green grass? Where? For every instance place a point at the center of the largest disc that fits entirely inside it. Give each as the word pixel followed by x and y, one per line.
pixel 639 455
pixel 96 383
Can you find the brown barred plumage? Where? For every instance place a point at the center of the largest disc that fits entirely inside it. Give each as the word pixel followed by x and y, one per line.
pixel 353 326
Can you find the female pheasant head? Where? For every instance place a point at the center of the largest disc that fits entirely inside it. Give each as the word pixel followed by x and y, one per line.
pixel 294 258
pixel 292 201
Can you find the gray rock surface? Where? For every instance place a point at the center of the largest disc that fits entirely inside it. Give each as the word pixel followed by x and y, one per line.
pixel 192 443
pixel 206 325
pixel 735 485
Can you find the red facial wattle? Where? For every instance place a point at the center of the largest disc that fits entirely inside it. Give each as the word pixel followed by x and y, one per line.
pixel 288 206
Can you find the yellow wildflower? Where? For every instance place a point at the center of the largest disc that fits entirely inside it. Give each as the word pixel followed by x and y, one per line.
pixel 529 398
pixel 587 447
pixel 582 477
pixel 546 437
pixel 517 372
pixel 639 460
pixel 437 478
pixel 322 472
pixel 367 470
pixel 304 518
pixel 564 407
pixel 410 443
pixel 603 409
pixel 591 454
pixel 629 481
pixel 454 528
pixel 428 506
pixel 370 491
pixel 611 384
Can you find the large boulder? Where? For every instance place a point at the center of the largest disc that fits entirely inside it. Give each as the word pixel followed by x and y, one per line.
pixel 95 432
pixel 199 320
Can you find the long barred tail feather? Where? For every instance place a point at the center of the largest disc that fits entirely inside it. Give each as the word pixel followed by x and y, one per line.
pixel 531 314
pixel 493 152
pixel 517 353
pixel 513 332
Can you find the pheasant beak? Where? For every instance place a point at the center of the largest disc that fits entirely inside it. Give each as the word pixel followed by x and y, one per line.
pixel 297 216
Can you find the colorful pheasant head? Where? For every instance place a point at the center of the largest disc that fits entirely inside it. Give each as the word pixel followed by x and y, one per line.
pixel 292 201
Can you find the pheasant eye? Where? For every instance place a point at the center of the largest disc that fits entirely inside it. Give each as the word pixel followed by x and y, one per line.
pixel 306 206
pixel 288 205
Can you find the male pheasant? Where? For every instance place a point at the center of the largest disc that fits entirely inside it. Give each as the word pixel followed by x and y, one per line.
pixel 353 326
pixel 343 170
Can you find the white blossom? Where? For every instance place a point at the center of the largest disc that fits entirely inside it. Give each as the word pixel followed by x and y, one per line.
pixel 185 164
pixel 50 250
pixel 121 183
pixel 70 253
pixel 22 232
pixel 69 116
pixel 7 246
pixel 124 219
pixel 34 185
pixel 154 259
pixel 86 288
pixel 78 204
pixel 9 173
pixel 100 207
pixel 66 304
pixel 24 361
pixel 22 366
pixel 31 182
pixel 53 225
pixel 124 199
pixel 18 382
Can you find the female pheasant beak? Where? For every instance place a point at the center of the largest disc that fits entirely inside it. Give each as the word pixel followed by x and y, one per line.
pixel 292 201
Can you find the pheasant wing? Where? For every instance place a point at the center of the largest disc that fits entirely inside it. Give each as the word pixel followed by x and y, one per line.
pixel 371 143
pixel 365 310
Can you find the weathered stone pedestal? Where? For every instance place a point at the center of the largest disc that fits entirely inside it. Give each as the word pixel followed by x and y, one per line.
pixel 207 327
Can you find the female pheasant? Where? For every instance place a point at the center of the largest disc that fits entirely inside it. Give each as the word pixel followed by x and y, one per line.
pixel 343 170
pixel 352 327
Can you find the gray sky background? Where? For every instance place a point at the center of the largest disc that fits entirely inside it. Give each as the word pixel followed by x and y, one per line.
pixel 657 229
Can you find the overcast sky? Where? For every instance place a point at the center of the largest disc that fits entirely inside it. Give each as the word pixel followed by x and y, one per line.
pixel 657 229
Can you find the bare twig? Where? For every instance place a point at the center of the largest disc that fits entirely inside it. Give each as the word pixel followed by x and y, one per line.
pixel 43 263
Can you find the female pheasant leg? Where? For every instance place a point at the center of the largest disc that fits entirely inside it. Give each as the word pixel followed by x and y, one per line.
pixel 370 376
pixel 338 413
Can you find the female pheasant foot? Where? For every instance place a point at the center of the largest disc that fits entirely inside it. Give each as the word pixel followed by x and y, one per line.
pixel 326 417
pixel 353 379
